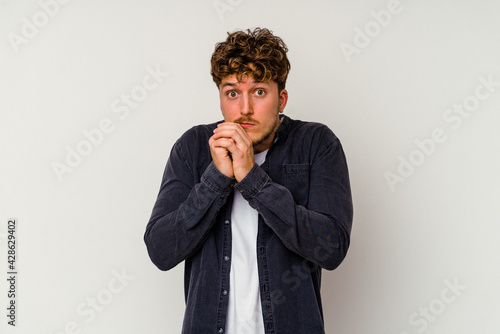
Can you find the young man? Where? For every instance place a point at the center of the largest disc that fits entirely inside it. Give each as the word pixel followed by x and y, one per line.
pixel 256 205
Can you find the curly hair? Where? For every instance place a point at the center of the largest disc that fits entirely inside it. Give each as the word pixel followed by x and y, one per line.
pixel 256 53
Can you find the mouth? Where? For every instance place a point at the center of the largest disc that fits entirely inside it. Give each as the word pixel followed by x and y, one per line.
pixel 246 125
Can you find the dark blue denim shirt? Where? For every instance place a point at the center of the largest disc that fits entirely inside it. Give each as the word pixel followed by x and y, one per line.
pixel 303 197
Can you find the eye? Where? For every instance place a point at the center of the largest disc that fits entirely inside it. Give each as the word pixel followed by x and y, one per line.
pixel 260 92
pixel 232 94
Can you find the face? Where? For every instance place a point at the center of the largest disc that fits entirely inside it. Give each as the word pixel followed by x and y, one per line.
pixel 255 106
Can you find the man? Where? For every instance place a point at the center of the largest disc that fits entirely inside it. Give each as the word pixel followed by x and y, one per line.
pixel 256 204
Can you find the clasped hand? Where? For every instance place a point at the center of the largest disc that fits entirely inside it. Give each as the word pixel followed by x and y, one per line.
pixel 232 150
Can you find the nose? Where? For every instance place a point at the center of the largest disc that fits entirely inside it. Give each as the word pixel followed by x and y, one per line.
pixel 246 106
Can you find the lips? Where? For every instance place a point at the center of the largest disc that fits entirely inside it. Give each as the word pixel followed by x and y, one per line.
pixel 246 125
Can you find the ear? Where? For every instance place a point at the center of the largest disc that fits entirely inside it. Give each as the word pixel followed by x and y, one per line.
pixel 283 99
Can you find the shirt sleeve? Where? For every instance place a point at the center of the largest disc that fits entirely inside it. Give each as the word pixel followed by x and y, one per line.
pixel 319 231
pixel 184 212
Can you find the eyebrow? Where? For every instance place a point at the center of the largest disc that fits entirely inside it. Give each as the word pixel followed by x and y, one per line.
pixel 234 84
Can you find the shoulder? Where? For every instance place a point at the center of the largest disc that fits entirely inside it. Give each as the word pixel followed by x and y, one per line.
pixel 311 134
pixel 196 138
pixel 311 128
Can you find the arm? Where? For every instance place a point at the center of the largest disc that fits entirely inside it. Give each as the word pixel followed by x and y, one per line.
pixel 184 212
pixel 319 232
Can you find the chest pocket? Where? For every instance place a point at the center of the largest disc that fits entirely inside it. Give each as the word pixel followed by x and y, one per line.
pixel 296 179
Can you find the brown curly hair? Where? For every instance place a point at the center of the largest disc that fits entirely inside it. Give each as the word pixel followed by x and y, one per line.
pixel 256 53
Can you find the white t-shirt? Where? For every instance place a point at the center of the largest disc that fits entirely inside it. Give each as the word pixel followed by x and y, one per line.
pixel 244 308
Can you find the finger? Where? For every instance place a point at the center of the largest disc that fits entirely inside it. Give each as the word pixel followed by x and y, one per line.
pixel 239 143
pixel 224 142
pixel 230 146
pixel 237 133
pixel 230 125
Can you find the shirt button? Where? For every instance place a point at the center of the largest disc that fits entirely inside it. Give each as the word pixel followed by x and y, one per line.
pixel 226 222
pixel 226 258
pixel 224 292
pixel 221 330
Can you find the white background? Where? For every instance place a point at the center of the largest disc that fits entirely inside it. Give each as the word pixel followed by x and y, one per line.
pixel 437 227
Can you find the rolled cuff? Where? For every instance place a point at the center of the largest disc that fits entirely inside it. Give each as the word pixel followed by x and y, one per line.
pixel 217 181
pixel 253 182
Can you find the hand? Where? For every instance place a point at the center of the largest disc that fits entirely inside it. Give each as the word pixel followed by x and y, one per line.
pixel 238 145
pixel 221 157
